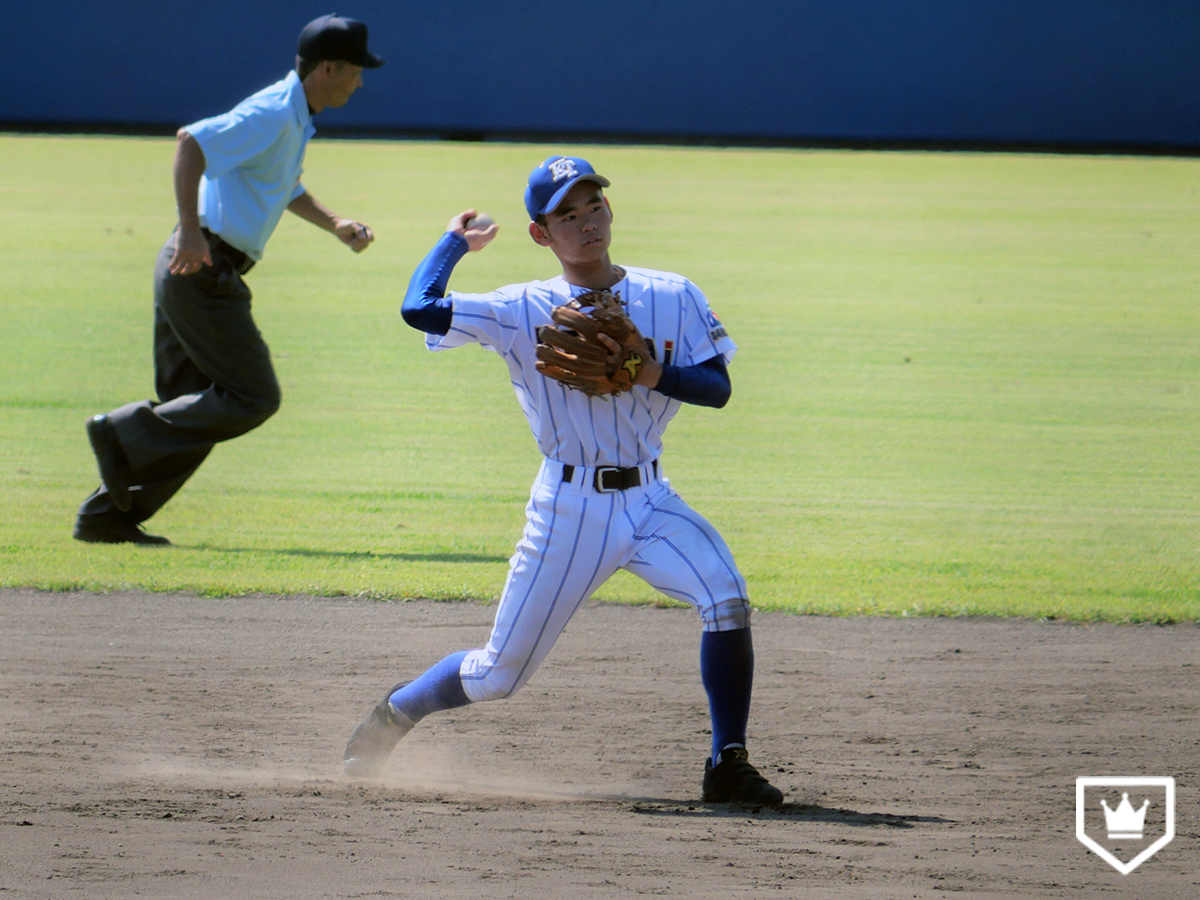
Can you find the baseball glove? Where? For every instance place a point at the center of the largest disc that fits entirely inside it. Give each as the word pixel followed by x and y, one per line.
pixel 570 351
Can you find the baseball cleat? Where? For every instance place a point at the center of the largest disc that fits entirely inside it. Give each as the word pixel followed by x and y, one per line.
pixel 373 740
pixel 734 780
pixel 104 528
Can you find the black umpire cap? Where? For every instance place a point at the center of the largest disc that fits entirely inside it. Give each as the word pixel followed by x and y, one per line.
pixel 338 38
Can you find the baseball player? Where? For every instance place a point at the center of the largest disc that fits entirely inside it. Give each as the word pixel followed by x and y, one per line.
pixel 601 501
pixel 235 174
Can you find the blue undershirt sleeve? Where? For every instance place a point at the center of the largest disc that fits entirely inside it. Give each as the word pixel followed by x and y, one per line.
pixel 705 384
pixel 425 306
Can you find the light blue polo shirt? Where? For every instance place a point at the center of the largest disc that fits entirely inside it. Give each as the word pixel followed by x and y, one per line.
pixel 254 155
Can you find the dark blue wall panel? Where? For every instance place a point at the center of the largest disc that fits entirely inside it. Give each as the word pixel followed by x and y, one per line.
pixel 1099 72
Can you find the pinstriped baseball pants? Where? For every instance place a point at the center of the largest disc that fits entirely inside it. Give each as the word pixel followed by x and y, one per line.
pixel 575 539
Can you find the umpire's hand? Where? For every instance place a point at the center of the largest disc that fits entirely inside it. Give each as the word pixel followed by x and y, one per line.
pixel 354 235
pixel 191 252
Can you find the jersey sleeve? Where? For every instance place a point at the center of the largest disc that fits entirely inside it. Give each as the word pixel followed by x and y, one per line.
pixel 233 138
pixel 704 336
pixel 489 320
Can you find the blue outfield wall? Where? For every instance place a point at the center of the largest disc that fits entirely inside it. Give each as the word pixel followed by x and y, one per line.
pixel 1041 72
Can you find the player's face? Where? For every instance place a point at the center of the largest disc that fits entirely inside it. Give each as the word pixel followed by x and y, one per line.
pixel 343 79
pixel 580 229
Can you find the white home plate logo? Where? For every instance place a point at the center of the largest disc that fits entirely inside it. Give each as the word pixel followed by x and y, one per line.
pixel 1125 821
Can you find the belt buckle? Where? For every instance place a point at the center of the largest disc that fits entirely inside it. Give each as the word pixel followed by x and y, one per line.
pixel 598 481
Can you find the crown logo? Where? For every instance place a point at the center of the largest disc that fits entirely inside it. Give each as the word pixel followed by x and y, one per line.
pixel 1125 823
pixel 1133 840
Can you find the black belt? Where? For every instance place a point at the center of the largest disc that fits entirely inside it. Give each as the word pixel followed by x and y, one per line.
pixel 241 261
pixel 611 478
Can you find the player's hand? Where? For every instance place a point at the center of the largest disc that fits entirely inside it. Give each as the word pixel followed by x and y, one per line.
pixel 354 235
pixel 191 252
pixel 477 238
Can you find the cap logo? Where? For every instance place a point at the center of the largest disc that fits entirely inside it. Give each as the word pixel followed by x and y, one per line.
pixel 563 168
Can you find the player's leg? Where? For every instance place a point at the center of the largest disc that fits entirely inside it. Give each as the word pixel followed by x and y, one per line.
pixel 438 688
pixel 574 540
pixel 572 543
pixel 681 554
pixel 727 672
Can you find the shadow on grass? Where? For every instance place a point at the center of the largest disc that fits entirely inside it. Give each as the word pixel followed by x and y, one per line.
pixel 802 812
pixel 351 554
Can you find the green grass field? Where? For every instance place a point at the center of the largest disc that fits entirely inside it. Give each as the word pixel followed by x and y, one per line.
pixel 967 383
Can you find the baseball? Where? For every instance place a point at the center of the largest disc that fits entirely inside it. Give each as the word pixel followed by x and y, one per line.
pixel 479 222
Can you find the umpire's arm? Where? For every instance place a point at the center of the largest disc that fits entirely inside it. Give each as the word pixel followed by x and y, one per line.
pixel 191 249
pixel 353 234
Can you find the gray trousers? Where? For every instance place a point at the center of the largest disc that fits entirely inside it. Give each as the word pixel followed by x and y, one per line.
pixel 213 375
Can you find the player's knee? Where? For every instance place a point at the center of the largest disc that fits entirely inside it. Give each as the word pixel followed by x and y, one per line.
pixel 491 682
pixel 489 675
pixel 490 688
pixel 727 615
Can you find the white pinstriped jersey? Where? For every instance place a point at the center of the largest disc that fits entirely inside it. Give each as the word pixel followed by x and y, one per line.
pixel 569 426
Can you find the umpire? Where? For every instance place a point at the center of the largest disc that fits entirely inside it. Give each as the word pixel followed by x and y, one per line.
pixel 235 174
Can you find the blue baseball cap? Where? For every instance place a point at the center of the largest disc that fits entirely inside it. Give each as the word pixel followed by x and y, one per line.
pixel 550 181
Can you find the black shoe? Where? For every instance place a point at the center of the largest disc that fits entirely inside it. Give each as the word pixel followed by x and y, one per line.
pixel 734 780
pixel 106 528
pixel 373 740
pixel 111 459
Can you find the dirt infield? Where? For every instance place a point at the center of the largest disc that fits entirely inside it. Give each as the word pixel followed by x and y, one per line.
pixel 167 745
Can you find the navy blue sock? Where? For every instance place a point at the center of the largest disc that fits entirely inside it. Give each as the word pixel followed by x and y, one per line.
pixel 440 687
pixel 727 670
